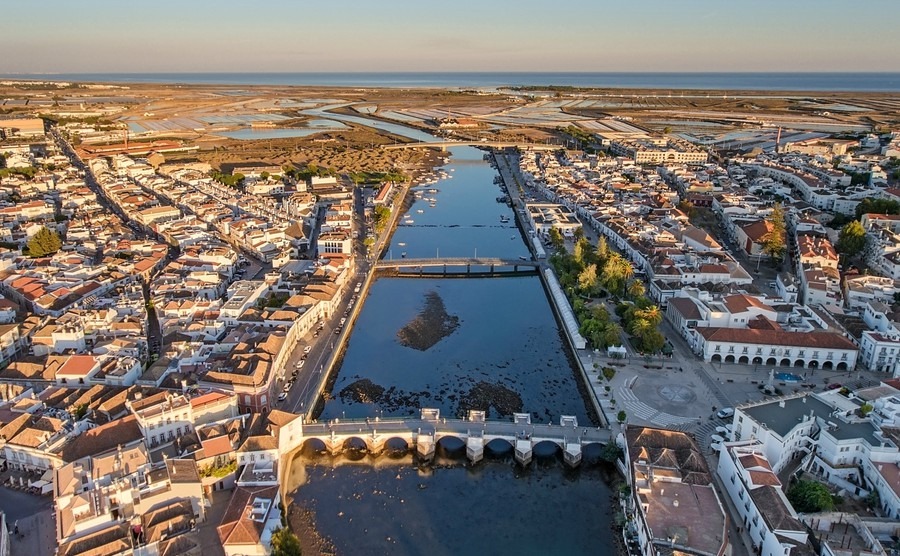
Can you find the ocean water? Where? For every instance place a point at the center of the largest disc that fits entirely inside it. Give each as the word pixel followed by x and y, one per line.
pixel 770 81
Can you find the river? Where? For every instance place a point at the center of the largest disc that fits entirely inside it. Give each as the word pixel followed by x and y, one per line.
pixel 504 344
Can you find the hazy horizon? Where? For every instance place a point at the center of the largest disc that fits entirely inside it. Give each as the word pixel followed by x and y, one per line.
pixel 351 36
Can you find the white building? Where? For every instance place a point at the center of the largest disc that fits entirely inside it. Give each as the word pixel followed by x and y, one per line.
pixel 762 507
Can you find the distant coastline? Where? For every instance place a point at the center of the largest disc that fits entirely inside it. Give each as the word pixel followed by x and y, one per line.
pixel 762 81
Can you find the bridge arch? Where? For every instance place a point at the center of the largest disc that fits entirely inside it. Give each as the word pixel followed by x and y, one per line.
pixel 313 446
pixel 499 446
pixel 547 448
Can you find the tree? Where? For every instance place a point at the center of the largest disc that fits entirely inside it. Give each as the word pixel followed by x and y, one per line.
pixel 621 416
pixel 556 239
pixel 612 335
pixel 636 289
pixel 852 239
pixel 45 242
pixel 602 251
pixel 616 273
pixel 587 280
pixel 810 497
pixel 774 243
pixel 652 341
pixel 877 206
pixel 285 543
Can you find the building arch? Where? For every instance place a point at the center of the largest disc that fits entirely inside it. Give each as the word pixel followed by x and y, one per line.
pixel 758 360
pixel 729 358
pixel 743 360
pixel 842 366
pixel 800 363
pixel 827 366
pixel 716 358
pixel 785 362
pixel 771 361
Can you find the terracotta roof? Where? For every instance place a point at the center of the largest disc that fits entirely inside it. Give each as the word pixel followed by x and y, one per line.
pixel 686 307
pixel 102 438
pixel 829 340
pixel 237 527
pixel 757 230
pixel 77 366
pixel 211 397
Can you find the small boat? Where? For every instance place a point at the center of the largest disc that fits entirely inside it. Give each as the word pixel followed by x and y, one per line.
pixel 403 255
pixel 420 211
pixel 504 219
pixel 401 244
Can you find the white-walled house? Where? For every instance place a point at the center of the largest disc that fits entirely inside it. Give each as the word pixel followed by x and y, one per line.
pixel 762 507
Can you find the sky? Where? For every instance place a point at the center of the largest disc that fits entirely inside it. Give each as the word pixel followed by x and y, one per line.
pixel 116 36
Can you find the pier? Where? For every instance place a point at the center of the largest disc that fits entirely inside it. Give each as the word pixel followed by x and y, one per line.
pixel 475 432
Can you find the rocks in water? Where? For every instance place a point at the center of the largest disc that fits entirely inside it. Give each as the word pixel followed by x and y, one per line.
pixel 430 326
pixel 362 391
pixel 486 395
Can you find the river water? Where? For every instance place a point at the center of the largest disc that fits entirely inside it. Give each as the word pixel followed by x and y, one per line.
pixel 505 340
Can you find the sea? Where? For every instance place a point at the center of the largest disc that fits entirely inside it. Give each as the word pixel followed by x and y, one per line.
pixel 850 82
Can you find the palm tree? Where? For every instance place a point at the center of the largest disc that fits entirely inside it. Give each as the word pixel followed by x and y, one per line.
pixel 612 334
pixel 636 289
pixel 640 326
pixel 651 314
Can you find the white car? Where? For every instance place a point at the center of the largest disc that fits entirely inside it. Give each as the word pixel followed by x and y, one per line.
pixel 343 320
pixel 307 349
pixel 301 363
pixel 722 430
pixel 282 396
pixel 716 439
pixel 725 412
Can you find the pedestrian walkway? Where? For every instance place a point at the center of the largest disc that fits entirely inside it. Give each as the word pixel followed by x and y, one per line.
pixel 635 408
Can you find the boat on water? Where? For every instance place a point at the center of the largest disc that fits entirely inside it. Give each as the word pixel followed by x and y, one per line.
pixel 409 221
pixel 504 219
pixel 402 244
pixel 420 211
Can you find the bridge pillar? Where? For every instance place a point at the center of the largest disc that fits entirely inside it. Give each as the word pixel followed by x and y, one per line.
pixel 572 453
pixel 468 269
pixel 334 445
pixel 475 447
pixel 425 446
pixel 523 451
pixel 492 268
pixel 375 444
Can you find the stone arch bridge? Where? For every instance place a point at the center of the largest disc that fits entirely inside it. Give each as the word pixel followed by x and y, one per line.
pixel 475 432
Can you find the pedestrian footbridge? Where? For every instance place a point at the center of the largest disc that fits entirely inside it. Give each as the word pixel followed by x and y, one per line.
pixel 425 431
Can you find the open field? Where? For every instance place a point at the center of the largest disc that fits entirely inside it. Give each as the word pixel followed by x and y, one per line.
pixel 265 119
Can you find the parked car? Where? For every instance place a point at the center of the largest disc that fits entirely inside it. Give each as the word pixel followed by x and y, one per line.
pixel 725 412
pixel 282 396
pixel 307 349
